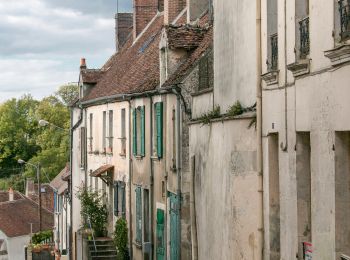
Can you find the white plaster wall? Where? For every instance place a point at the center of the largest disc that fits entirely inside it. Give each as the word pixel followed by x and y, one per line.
pixel 234 52
pixel 228 202
pixel 15 246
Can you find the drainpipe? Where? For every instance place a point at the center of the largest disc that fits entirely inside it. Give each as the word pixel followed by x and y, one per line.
pixel 259 115
pixel 151 193
pixel 193 210
pixel 130 184
pixel 284 146
pixel 178 165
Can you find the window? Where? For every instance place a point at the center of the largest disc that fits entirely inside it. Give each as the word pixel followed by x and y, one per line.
pixel 119 199
pixel 158 130
pixel 123 132
pixel 344 15
pixel 90 132
pixel 139 131
pixel 174 139
pixel 272 37
pixel 138 216
pixel 302 28
pixel 206 71
pixel 146 216
pixel 82 147
pixel 110 131
pixel 104 129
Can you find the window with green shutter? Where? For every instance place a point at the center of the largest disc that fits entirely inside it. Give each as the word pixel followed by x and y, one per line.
pixel 138 223
pixel 174 226
pixel 160 250
pixel 159 128
pixel 134 130
pixel 142 111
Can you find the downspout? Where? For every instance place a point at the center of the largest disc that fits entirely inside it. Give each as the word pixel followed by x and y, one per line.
pixel 259 117
pixel 193 210
pixel 284 146
pixel 178 166
pixel 151 177
pixel 130 184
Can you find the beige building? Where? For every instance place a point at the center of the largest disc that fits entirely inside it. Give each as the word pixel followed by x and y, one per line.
pixel 305 129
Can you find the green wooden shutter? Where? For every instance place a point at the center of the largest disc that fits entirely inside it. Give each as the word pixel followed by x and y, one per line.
pixel 174 224
pixel 160 235
pixel 138 215
pixel 123 199
pixel 115 189
pixel 159 120
pixel 134 129
pixel 143 131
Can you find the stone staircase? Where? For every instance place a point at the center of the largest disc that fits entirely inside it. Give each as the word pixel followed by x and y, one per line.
pixel 105 249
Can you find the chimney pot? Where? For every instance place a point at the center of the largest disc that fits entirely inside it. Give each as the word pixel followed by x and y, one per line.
pixel 11 194
pixel 83 63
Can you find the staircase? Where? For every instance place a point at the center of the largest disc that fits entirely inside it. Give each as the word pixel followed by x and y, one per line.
pixel 105 249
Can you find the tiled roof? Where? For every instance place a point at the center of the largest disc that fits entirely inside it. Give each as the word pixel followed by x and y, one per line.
pixel 4 196
pixel 47 197
pixel 105 168
pixel 58 182
pixel 184 36
pixel 16 216
pixel 135 68
pixel 191 61
pixel 91 76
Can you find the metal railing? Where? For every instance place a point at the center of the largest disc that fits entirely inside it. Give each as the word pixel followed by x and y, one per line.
pixel 274 52
pixel 304 37
pixel 344 12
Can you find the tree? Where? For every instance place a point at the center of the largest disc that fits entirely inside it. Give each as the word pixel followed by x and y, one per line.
pixel 67 93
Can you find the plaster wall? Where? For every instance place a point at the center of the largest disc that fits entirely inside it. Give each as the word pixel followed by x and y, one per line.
pixel 15 245
pixel 228 202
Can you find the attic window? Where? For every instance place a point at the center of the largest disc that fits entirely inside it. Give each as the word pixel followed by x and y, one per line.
pixel 147 43
pixel 206 71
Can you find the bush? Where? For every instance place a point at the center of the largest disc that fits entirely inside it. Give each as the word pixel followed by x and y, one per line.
pixel 92 206
pixel 120 237
pixel 41 237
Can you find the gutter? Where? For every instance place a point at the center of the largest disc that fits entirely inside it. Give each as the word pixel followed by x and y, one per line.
pixel 130 185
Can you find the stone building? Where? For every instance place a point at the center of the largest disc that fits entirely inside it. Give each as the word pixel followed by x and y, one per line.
pixel 305 129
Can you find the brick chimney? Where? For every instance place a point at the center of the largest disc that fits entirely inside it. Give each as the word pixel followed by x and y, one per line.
pixel 144 11
pixel 82 63
pixel 29 187
pixel 172 8
pixel 123 27
pixel 11 194
pixel 196 8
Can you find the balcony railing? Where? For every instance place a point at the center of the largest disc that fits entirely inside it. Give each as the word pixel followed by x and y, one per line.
pixel 274 52
pixel 344 11
pixel 304 37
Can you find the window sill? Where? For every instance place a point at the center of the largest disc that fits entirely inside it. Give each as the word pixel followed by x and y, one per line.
pixel 122 155
pixel 300 67
pixel 339 54
pixel 155 158
pixel 271 77
pixel 139 157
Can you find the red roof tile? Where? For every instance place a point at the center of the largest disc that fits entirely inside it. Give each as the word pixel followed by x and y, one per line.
pixel 16 216
pixel 91 76
pixel 135 68
pixel 184 36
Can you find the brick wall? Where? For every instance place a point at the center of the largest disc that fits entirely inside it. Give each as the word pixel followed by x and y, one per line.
pixel 123 27
pixel 172 9
pixel 144 11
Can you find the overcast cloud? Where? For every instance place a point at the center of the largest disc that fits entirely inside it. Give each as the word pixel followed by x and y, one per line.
pixel 42 41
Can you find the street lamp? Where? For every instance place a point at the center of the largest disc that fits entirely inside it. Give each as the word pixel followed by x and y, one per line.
pixel 44 123
pixel 37 167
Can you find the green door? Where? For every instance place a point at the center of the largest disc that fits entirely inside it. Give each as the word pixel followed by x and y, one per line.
pixel 160 235
pixel 174 226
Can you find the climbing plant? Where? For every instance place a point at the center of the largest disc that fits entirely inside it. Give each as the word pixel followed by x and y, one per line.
pixel 120 237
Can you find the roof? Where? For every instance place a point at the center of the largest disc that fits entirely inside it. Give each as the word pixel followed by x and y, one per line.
pixel 58 182
pixel 91 76
pixel 16 216
pixel 4 196
pixel 135 68
pixel 104 168
pixel 184 36
pixel 183 70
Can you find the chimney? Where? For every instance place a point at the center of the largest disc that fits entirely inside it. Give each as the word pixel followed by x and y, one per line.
pixel 82 63
pixel 172 8
pixel 11 194
pixel 29 187
pixel 123 27
pixel 144 11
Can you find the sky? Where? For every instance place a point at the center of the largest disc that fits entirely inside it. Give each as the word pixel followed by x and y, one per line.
pixel 42 41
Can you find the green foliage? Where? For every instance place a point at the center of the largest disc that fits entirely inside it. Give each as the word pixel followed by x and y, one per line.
pixel 42 236
pixel 67 93
pixel 120 237
pixel 206 118
pixel 235 110
pixel 14 181
pixel 92 206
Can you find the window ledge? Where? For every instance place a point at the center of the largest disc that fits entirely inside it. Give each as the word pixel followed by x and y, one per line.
pixel 339 55
pixel 122 155
pixel 139 157
pixel 155 158
pixel 201 92
pixel 271 77
pixel 300 67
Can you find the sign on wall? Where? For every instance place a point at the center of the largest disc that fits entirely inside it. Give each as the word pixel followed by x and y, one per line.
pixel 307 250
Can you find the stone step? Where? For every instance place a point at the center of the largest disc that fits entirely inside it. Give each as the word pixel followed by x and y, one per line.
pixel 110 257
pixel 103 252
pixel 102 247
pixel 101 242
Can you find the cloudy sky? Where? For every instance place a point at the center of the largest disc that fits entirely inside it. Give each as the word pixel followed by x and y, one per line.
pixel 42 41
